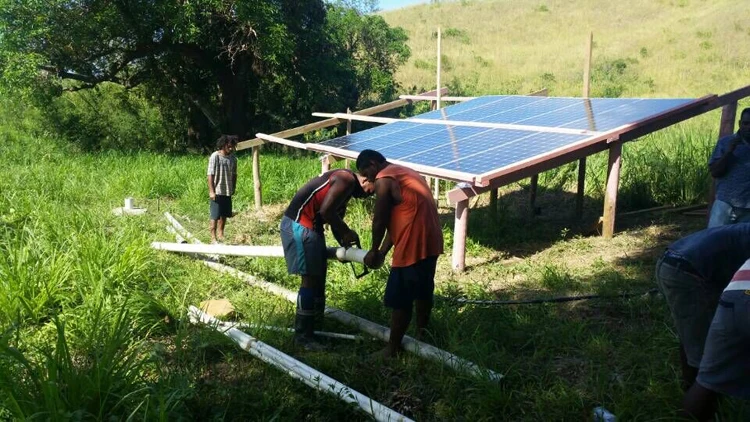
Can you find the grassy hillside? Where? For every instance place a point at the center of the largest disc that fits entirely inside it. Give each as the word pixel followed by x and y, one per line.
pixel 652 48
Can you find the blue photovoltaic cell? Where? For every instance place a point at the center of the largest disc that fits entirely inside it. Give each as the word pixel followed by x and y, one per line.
pixel 477 150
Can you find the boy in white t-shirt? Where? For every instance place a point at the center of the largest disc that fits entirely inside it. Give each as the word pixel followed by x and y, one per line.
pixel 222 179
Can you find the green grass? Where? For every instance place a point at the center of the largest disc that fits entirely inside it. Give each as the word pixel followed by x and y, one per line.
pixel 663 48
pixel 86 303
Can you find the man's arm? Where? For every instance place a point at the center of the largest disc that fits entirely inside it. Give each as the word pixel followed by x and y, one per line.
pixel 719 167
pixel 383 206
pixel 339 192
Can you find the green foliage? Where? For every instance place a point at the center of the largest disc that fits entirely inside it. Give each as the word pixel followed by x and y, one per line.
pixel 101 378
pixel 202 67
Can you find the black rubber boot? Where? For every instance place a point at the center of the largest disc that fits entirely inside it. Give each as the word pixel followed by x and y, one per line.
pixel 304 333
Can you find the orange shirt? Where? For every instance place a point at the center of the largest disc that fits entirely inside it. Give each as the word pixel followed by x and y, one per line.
pixel 414 227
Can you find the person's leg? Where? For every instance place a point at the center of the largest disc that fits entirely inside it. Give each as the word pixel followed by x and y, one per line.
pixel 699 404
pixel 688 372
pixel 304 324
pixel 400 319
pixel 424 290
pixel 214 214
pixel 222 222
pixel 741 215
pixel 399 296
pixel 212 230
pixel 423 311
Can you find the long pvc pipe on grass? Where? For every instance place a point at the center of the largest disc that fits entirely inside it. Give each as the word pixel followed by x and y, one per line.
pixel 410 344
pixel 275 328
pixel 235 250
pixel 299 370
pixel 423 349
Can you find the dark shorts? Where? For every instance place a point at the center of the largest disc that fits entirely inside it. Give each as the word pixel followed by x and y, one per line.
pixel 725 367
pixel 692 302
pixel 407 284
pixel 304 249
pixel 221 207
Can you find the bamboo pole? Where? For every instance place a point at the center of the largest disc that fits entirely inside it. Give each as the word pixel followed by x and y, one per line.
pixel 347 162
pixel 298 370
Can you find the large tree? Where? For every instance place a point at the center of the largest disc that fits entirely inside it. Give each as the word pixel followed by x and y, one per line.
pixel 231 66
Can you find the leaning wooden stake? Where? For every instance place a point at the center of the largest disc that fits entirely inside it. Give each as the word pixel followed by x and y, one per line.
pixel 299 370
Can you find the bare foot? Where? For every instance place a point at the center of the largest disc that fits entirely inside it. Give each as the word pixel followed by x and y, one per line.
pixel 385 354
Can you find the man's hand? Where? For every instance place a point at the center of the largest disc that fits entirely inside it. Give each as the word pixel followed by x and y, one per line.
pixel 349 238
pixel 374 259
pixel 212 195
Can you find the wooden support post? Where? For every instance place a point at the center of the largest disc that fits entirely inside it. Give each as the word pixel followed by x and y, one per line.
pixel 581 187
pixel 610 196
pixel 347 162
pixel 587 67
pixel 438 69
pixel 436 192
pixel 256 177
pixel 493 202
pixel 726 127
pixel 460 227
pixel 325 163
pixel 532 194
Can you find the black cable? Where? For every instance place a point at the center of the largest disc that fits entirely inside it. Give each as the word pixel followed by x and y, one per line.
pixel 464 301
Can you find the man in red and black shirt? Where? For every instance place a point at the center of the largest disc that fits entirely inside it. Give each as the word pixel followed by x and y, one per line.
pixel 320 201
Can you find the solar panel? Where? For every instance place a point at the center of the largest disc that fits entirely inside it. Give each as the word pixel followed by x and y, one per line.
pixel 478 150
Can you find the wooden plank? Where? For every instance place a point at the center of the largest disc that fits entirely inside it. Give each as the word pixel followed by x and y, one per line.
pixel 434 98
pixel 733 96
pixel 460 227
pixel 288 133
pixel 610 196
pixel 374 119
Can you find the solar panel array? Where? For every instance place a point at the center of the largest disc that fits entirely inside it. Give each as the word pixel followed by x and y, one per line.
pixel 478 150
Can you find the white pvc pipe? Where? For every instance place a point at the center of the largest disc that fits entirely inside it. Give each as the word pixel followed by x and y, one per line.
pixel 285 329
pixel 340 253
pixel 300 371
pixel 348 254
pixel 177 236
pixel 181 229
pixel 410 344
pixel 383 333
pixel 235 250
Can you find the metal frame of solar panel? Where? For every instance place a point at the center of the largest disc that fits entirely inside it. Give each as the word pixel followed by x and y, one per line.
pixel 538 128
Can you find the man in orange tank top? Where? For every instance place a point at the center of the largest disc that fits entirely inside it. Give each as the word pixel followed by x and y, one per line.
pixel 405 208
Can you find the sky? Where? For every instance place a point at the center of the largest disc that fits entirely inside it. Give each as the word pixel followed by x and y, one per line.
pixel 395 4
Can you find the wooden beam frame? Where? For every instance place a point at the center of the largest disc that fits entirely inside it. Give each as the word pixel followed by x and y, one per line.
pixel 455 176
pixel 374 119
pixel 299 130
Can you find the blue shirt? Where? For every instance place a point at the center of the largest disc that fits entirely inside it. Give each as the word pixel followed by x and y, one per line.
pixel 715 253
pixel 734 186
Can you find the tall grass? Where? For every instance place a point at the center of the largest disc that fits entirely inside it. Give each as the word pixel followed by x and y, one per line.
pixel 641 47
